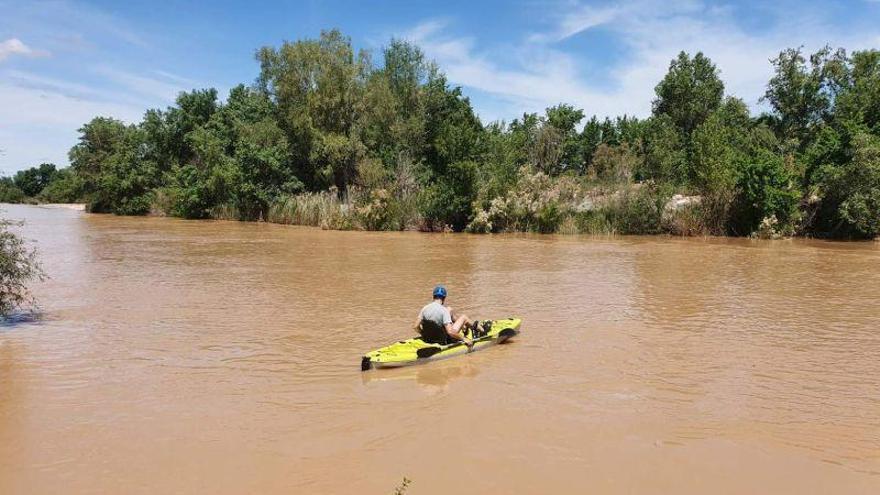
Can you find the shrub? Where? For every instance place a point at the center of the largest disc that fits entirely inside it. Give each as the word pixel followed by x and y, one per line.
pixel 536 203
pixel 65 187
pixel 637 211
pixel 766 190
pixel 447 203
pixel 850 193
pixel 18 266
pixel 9 192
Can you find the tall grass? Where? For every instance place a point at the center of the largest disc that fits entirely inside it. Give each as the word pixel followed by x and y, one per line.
pixel 319 209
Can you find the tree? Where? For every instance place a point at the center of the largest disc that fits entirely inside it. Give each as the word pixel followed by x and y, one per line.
pixel 719 148
pixel 33 180
pixel 801 97
pixel 110 159
pixel 317 86
pixel 852 191
pixel 565 118
pixel 689 92
pixel 65 187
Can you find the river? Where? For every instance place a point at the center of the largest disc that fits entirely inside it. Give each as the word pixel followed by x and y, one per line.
pixel 221 357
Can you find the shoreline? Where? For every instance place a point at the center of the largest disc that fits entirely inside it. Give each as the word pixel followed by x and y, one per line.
pixel 57 206
pixel 65 206
pixel 82 207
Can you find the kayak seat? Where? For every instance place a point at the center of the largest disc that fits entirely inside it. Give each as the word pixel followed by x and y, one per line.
pixel 434 333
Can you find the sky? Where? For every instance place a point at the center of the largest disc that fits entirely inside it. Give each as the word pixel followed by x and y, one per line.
pixel 64 62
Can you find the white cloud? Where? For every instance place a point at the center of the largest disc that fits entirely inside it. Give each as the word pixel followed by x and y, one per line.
pixel 40 115
pixel 649 32
pixel 183 81
pixel 14 46
pixel 581 19
pixel 544 76
pixel 142 85
pixel 41 124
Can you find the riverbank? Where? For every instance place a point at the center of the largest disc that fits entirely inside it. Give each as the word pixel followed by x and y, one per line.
pixel 533 202
pixel 66 206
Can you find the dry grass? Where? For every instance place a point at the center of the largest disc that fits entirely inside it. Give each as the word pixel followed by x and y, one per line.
pixel 321 209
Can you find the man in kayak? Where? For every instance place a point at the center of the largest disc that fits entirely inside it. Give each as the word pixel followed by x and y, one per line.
pixel 437 323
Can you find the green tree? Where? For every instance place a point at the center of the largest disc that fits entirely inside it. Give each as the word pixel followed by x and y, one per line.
pixel 719 148
pixel 689 92
pixel 564 119
pixel 852 191
pixel 801 96
pixel 116 176
pixel 65 187
pixel 766 189
pixel 317 86
pixel 33 180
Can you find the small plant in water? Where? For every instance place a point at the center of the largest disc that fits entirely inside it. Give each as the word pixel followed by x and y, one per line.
pixel 401 488
pixel 18 266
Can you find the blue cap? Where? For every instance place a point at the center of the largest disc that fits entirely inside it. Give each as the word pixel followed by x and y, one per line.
pixel 440 292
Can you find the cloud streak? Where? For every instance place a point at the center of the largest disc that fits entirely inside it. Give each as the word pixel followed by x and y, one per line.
pixel 14 46
pixel 650 33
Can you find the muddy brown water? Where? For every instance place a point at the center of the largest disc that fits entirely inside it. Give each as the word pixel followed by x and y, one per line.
pixel 221 357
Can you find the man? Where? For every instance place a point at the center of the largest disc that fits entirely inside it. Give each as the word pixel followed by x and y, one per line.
pixel 436 322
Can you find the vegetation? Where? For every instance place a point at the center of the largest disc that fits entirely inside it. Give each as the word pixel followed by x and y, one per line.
pixel 18 266
pixel 327 137
pixel 402 487
pixel 44 183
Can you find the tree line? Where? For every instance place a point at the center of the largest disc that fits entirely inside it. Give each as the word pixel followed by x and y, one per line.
pixel 328 136
pixel 44 183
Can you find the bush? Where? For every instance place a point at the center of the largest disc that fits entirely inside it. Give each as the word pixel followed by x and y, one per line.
pixel 446 204
pixel 18 266
pixel 852 191
pixel 636 211
pixel 535 203
pixel 766 190
pixel 65 187
pixel 9 192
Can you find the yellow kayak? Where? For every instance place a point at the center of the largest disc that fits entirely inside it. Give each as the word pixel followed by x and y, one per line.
pixel 417 351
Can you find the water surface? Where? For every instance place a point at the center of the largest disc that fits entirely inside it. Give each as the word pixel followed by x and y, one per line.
pixel 222 357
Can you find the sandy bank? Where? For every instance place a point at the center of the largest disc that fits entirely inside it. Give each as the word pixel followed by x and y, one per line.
pixel 69 206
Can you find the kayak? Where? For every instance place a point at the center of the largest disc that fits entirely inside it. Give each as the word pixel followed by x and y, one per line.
pixel 417 351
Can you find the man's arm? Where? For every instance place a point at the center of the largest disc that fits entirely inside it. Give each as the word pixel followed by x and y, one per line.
pixel 418 326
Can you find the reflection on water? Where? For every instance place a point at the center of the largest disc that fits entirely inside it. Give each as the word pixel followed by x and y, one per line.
pixel 223 357
pixel 435 377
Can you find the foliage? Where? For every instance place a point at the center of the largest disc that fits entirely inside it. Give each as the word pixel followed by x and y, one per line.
pixel 18 267
pixel 766 191
pixel 446 204
pixel 117 174
pixel 328 137
pixel 689 92
pixel 402 487
pixel 854 189
pixel 33 180
pixel 65 187
pixel 9 192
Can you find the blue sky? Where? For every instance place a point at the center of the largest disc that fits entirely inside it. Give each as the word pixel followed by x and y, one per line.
pixel 63 62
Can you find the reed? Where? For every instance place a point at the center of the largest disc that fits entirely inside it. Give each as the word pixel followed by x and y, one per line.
pixel 318 209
